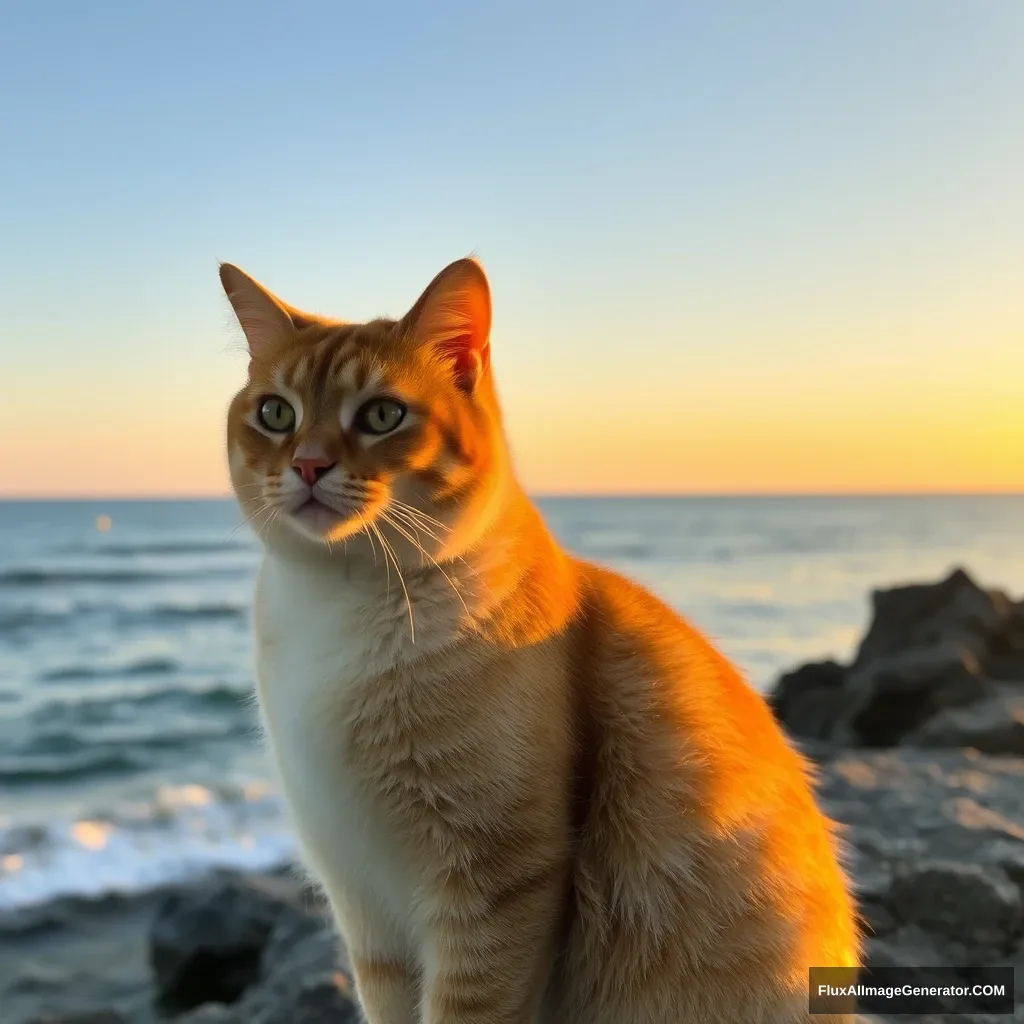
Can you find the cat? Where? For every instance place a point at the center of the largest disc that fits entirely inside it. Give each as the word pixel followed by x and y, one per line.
pixel 530 790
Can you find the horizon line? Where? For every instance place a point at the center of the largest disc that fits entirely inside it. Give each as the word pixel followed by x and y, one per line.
pixel 542 495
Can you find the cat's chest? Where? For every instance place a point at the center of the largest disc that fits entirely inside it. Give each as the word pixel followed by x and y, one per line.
pixel 315 651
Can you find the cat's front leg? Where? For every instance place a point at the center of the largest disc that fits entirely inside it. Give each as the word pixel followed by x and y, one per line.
pixel 488 961
pixel 387 987
pixel 387 979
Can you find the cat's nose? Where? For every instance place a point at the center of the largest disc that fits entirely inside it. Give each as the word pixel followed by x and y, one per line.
pixel 312 469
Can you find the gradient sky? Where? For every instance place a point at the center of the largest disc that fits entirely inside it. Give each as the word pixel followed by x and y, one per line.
pixel 733 247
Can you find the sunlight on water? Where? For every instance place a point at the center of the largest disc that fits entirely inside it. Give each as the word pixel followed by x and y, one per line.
pixel 93 835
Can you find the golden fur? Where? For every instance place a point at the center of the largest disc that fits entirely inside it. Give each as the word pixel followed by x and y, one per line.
pixel 532 792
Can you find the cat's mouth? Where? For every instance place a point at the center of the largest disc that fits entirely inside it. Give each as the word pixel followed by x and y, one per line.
pixel 317 517
pixel 325 515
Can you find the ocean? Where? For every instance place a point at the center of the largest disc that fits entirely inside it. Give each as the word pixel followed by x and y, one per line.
pixel 129 753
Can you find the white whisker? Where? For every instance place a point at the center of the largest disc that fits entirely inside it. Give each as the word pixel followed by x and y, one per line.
pixel 423 552
pixel 401 579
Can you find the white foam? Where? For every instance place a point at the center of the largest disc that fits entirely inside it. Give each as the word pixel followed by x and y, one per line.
pixel 183 833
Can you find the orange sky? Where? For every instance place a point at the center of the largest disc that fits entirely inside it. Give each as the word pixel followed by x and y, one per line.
pixel 776 253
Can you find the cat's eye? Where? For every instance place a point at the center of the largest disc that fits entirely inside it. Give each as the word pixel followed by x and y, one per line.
pixel 276 414
pixel 380 416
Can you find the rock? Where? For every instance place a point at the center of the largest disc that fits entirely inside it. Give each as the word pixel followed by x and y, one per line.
pixel 321 999
pixel 894 695
pixel 929 648
pixel 898 806
pixel 100 1017
pixel 304 984
pixel 954 612
pixel 211 1013
pixel 995 726
pixel 206 944
pixel 808 699
pixel 977 906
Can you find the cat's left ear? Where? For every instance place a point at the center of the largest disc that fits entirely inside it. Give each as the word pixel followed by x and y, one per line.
pixel 454 316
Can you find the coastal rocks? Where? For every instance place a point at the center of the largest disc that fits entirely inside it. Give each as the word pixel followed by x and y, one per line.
pixel 886 699
pixel 995 726
pixel 206 944
pixel 102 1017
pixel 936 853
pixel 930 652
pixel 954 612
pixel 303 981
pixel 977 906
pixel 808 699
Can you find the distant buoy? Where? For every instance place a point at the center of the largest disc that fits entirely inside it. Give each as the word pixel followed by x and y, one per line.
pixel 104 523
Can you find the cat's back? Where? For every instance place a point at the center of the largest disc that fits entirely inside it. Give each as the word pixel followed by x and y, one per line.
pixel 705 864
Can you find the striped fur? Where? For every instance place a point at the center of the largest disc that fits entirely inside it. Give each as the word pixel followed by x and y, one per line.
pixel 533 794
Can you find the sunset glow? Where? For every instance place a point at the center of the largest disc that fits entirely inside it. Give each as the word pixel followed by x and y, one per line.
pixel 774 254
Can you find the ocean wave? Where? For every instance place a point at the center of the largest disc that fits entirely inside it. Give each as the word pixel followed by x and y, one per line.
pixel 75 748
pixel 181 834
pixel 53 768
pixel 83 706
pixel 141 667
pixel 25 621
pixel 65 577
pixel 159 548
pixel 190 613
pixel 47 577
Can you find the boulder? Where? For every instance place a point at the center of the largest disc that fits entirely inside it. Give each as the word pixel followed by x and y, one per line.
pixel 206 944
pixel 892 696
pixel 929 649
pixel 971 904
pixel 99 1017
pixel 955 612
pixel 303 984
pixel 995 726
pixel 809 699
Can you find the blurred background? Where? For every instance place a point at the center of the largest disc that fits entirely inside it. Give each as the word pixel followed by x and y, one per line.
pixel 758 333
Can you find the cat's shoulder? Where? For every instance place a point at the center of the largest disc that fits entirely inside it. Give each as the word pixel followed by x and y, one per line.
pixel 624 604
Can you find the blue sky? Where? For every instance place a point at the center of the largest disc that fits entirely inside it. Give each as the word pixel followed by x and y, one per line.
pixel 739 246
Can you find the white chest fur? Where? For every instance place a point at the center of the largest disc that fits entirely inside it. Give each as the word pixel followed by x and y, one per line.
pixel 320 636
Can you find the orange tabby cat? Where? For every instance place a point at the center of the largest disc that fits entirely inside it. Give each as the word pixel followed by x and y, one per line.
pixel 531 791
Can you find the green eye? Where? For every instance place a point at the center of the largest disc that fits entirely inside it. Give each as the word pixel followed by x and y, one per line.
pixel 380 416
pixel 276 414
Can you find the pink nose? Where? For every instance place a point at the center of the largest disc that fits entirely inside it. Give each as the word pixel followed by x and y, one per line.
pixel 312 469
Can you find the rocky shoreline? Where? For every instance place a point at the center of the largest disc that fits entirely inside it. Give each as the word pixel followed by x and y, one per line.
pixel 919 744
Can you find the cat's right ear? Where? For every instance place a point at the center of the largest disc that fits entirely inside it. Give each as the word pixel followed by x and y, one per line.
pixel 264 319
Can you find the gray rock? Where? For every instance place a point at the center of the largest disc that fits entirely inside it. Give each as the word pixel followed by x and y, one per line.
pixel 305 983
pixel 931 649
pixel 892 696
pixel 954 612
pixel 808 699
pixel 974 905
pixel 206 944
pixel 995 726
pixel 318 999
pixel 211 1013
pixel 100 1017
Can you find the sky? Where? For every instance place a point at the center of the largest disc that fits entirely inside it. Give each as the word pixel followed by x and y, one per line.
pixel 733 248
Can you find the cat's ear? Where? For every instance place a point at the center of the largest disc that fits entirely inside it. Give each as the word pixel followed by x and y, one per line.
pixel 264 318
pixel 453 316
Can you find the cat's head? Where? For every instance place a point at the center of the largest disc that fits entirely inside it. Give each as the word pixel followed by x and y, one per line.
pixel 381 434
